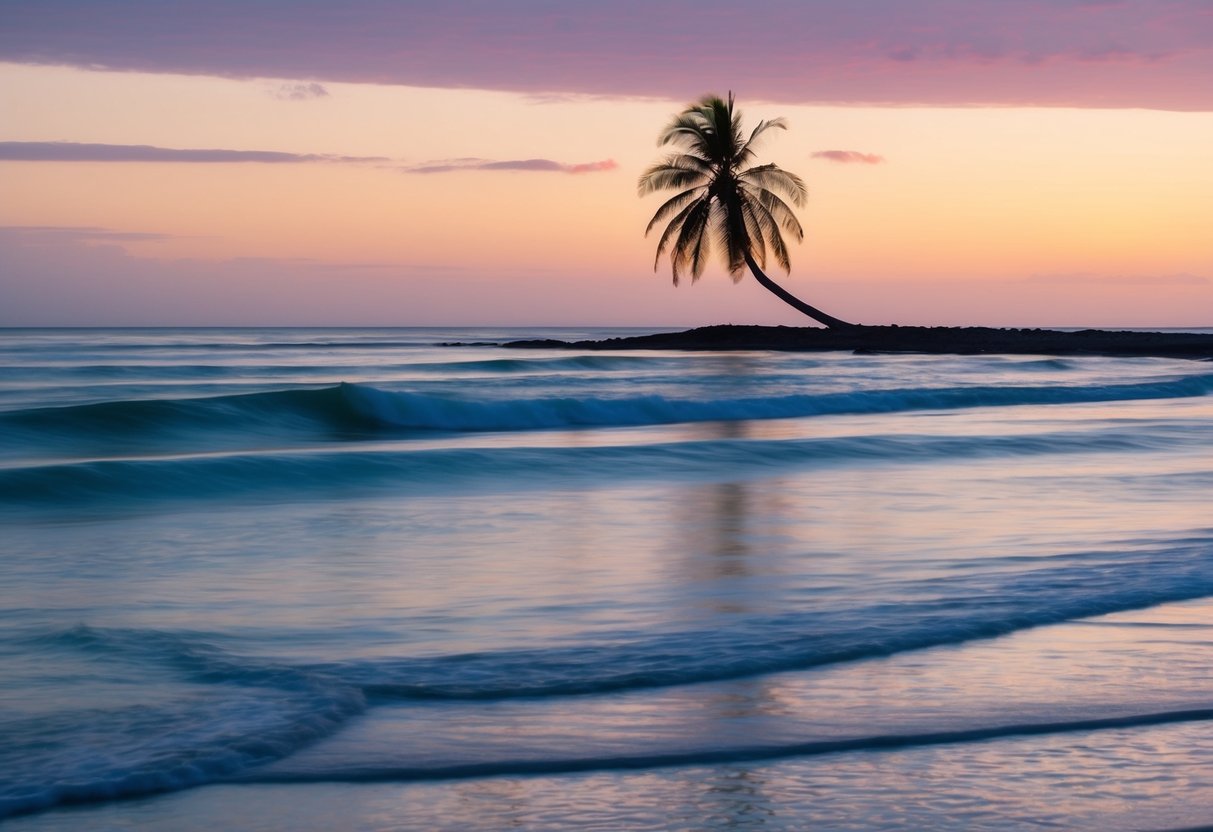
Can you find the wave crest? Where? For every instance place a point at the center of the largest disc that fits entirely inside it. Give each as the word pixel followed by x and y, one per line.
pixel 355 410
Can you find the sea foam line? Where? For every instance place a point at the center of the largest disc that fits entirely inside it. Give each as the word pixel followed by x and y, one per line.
pixel 408 472
pixel 975 607
pixel 704 757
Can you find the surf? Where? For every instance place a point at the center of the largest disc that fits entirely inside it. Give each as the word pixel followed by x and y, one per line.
pixel 353 411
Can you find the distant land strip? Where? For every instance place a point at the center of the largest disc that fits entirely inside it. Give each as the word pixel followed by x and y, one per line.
pixel 917 339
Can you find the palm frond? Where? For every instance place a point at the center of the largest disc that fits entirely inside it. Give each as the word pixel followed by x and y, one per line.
pixel 758 231
pixel 746 150
pixel 775 178
pixel 764 126
pixel 673 228
pixel 691 129
pixel 674 172
pixel 775 240
pixel 730 237
pixel 777 208
pixel 700 253
pixel 674 203
pixel 726 129
pixel 692 246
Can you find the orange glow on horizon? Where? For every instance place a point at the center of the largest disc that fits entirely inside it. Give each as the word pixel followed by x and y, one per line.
pixel 980 197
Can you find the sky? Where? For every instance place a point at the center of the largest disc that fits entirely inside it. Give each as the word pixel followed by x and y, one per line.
pixel 474 162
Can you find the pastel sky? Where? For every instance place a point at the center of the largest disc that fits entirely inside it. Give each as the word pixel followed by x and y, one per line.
pixel 215 162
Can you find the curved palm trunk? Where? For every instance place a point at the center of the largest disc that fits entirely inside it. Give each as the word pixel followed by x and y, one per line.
pixel 793 301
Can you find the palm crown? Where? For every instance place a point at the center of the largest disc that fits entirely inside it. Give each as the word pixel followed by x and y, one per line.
pixel 725 200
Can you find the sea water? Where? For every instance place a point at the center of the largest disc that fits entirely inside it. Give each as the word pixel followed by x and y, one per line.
pixel 412 579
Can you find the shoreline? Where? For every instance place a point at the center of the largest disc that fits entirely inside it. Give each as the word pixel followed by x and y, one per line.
pixel 905 339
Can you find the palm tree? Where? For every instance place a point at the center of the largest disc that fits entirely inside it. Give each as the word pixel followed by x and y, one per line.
pixel 723 198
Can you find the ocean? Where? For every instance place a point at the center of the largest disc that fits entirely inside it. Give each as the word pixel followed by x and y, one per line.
pixel 395 579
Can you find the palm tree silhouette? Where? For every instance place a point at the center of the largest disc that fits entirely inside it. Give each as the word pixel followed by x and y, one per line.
pixel 724 198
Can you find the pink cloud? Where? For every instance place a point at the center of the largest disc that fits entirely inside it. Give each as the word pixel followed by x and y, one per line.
pixel 594 167
pixel 91 152
pixel 1135 53
pixel 538 165
pixel 299 91
pixel 849 157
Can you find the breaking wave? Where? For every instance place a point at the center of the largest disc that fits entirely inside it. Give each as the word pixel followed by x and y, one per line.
pixel 359 410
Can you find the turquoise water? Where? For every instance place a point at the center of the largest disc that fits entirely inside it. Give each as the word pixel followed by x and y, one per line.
pixel 312 579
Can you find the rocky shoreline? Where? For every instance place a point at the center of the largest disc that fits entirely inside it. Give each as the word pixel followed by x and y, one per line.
pixel 953 340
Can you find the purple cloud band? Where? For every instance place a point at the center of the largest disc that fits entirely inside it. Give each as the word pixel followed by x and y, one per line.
pixel 88 152
pixel 541 165
pixel 849 157
pixel 1120 53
